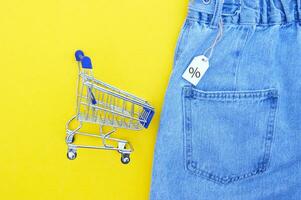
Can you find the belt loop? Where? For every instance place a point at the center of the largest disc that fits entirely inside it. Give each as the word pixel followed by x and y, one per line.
pixel 217 12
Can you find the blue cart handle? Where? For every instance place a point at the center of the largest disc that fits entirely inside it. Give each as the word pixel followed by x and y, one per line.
pixel 79 54
pixel 86 62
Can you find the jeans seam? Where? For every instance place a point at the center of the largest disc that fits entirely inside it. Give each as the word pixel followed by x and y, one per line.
pixel 270 133
pixel 240 58
pixel 184 110
pixel 222 95
pixel 247 24
pixel 188 135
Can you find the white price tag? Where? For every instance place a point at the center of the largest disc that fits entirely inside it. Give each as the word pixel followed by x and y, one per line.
pixel 196 69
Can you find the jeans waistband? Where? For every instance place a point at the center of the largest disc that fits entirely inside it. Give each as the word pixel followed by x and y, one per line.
pixel 257 12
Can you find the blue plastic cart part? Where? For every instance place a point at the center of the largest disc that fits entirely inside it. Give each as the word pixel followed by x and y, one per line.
pixel 86 62
pixel 79 54
pixel 150 113
pixel 93 100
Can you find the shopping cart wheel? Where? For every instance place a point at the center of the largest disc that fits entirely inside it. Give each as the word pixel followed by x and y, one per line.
pixel 125 158
pixel 71 154
pixel 70 139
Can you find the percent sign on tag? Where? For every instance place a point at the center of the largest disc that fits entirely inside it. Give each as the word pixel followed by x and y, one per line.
pixel 196 69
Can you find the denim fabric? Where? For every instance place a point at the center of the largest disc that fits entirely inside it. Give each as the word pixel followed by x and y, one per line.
pixel 237 134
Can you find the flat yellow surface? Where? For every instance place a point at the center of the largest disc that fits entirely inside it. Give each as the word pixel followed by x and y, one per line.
pixel 131 44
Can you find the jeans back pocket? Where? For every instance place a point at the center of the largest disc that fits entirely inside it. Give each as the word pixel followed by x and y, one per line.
pixel 228 134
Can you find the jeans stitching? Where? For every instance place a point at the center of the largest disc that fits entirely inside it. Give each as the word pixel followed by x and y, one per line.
pixel 187 133
pixel 271 123
pixel 240 57
pixel 247 24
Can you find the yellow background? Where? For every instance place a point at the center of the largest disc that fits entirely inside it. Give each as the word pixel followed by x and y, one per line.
pixel 131 44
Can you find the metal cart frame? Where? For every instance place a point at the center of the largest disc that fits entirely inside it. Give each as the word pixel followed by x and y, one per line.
pixel 102 104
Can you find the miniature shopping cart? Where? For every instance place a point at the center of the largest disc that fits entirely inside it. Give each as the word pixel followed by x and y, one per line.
pixel 102 104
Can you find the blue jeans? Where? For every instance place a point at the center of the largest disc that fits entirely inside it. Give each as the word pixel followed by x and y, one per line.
pixel 236 135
